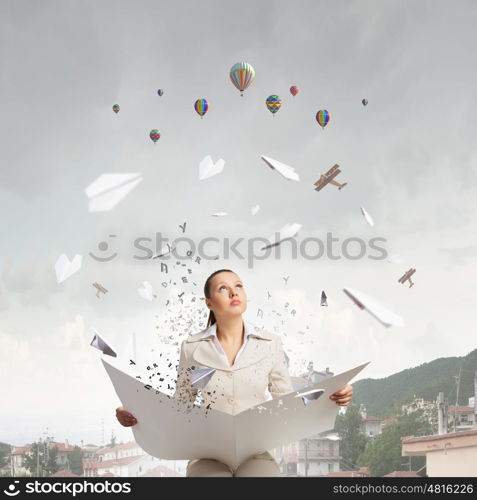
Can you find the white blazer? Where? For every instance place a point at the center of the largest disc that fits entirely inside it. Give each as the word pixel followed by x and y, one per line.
pixel 261 367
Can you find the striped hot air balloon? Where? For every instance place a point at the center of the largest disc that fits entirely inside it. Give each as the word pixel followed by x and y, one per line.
pixel 160 92
pixel 364 102
pixel 323 117
pixel 201 106
pixel 154 135
pixel 273 103
pixel 242 75
pixel 116 108
pixel 293 90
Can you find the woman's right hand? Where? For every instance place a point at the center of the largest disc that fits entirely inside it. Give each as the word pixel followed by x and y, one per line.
pixel 125 418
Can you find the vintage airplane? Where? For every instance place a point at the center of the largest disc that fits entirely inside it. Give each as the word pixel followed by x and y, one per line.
pixel 328 178
pixel 99 288
pixel 407 277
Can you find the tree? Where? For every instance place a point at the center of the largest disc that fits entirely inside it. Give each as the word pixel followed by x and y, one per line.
pixel 41 461
pixel 353 440
pixel 34 459
pixel 383 454
pixel 4 452
pixel 75 460
pixel 51 464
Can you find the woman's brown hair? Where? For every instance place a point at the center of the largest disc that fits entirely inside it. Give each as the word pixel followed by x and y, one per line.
pixel 211 320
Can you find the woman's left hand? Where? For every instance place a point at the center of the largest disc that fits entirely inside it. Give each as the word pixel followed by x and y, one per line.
pixel 343 396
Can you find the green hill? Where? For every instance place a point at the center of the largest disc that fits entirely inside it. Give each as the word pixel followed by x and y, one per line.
pixel 379 396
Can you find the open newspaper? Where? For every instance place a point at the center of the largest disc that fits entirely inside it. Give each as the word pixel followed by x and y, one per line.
pixel 172 429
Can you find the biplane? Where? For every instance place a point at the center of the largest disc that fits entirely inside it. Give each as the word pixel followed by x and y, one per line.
pixel 99 288
pixel 329 178
pixel 407 277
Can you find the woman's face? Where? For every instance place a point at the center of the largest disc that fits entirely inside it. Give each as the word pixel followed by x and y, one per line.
pixel 227 295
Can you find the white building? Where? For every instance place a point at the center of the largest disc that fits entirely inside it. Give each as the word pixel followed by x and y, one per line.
pixel 447 455
pixel 127 460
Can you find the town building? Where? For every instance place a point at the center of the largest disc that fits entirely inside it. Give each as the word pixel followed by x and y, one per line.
pixel 316 455
pixel 447 455
pixel 127 460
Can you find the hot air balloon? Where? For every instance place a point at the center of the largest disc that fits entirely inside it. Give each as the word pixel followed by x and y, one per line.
pixel 154 135
pixel 294 90
pixel 273 103
pixel 160 92
pixel 365 102
pixel 323 117
pixel 116 108
pixel 201 106
pixel 242 75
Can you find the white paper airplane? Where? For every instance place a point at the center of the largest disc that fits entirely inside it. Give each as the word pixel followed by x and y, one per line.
pixel 64 268
pixel 219 214
pixel 310 396
pixel 109 189
pixel 200 377
pixel 164 251
pixel 396 259
pixel 284 170
pixel 370 304
pixel 287 232
pixel 101 344
pixel 146 292
pixel 207 168
pixel 254 210
pixel 368 217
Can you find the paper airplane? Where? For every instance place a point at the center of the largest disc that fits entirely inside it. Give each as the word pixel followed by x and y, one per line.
pixel 64 268
pixel 368 217
pixel 200 377
pixel 323 301
pixel 370 304
pixel 396 259
pixel 207 168
pixel 287 232
pixel 310 396
pixel 287 359
pixel 219 214
pixel 109 189
pixel 164 251
pixel 146 292
pixel 284 170
pixel 101 344
pixel 254 210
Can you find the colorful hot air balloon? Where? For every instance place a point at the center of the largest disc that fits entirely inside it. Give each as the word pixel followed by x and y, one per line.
pixel 242 75
pixel 323 117
pixel 160 92
pixel 365 102
pixel 154 135
pixel 294 90
pixel 273 103
pixel 201 106
pixel 116 108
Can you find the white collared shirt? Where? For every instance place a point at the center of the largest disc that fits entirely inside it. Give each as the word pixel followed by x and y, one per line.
pixel 212 332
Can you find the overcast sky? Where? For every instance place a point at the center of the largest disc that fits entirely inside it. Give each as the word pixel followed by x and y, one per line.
pixel 408 157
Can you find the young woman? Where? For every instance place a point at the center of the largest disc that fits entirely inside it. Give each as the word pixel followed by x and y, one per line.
pixel 247 362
